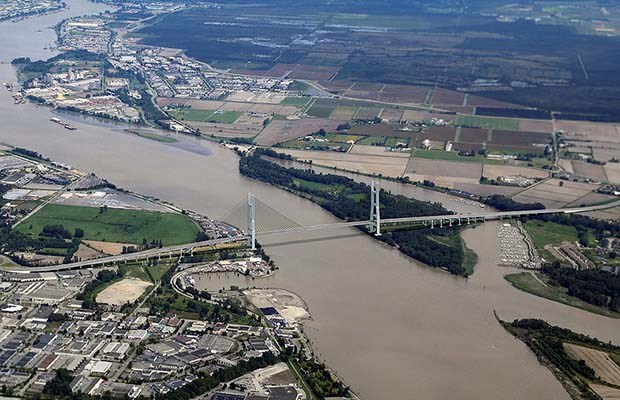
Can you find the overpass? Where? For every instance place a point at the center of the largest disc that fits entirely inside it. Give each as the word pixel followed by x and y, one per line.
pixel 375 224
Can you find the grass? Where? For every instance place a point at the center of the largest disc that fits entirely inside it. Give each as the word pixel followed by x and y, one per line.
pixel 543 233
pixel 615 357
pixel 341 138
pixel 220 117
pixel 470 259
pixel 526 282
pixel 153 136
pixel 138 272
pixel 157 271
pixel 373 140
pixel 316 185
pixel 6 262
pixel 295 101
pixel 320 111
pixel 114 225
pixel 446 156
pixel 324 146
pixel 393 142
pixel 474 121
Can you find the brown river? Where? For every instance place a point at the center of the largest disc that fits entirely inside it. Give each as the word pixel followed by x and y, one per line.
pixel 390 327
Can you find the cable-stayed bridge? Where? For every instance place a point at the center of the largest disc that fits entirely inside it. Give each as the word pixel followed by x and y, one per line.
pixel 258 219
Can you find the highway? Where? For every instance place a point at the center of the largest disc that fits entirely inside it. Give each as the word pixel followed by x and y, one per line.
pixel 121 258
pixel 441 219
pixel 433 221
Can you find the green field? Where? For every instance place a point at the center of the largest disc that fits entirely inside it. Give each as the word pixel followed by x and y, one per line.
pixel 470 259
pixel 320 111
pixel 295 101
pixel 340 138
pixel 393 142
pixel 373 140
pixel 319 146
pixel 154 136
pixel 157 271
pixel 114 225
pixel 473 121
pixel 220 117
pixel 543 233
pixel 137 271
pixel 526 282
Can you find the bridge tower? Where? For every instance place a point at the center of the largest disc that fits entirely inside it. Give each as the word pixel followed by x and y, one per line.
pixel 251 222
pixel 375 213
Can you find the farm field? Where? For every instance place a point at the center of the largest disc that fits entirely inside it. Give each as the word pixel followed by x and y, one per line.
pixel 610 214
pixel 224 117
pixel 492 171
pixel 193 103
pixel 588 170
pixel 592 199
pixel 472 121
pixel 385 130
pixel 422 49
pixel 280 131
pixel 598 132
pixel 535 125
pixel 555 193
pixel 518 141
pixel 114 225
pixel 599 361
pixel 612 171
pixel 606 392
pixel 295 101
pixel 439 134
pixel 486 190
pixel 445 155
pixel 228 130
pixel 377 151
pixel 362 163
pixel 444 173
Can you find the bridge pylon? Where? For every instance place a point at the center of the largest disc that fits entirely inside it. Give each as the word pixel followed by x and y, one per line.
pixel 251 222
pixel 375 207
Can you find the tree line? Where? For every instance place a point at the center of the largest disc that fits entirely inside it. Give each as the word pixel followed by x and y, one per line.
pixel 592 286
pixel 350 201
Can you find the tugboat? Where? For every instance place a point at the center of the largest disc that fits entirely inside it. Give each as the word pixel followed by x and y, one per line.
pixel 64 124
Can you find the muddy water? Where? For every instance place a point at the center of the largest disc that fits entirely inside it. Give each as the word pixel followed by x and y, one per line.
pixel 391 327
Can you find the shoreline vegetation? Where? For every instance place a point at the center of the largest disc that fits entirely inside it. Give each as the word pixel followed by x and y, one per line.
pixel 552 346
pixel 349 201
pixel 538 286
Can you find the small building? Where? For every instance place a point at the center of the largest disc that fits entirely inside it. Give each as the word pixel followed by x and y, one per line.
pixel 98 368
pixel 18 179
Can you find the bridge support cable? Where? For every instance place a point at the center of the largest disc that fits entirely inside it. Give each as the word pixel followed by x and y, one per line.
pixel 255 217
pixel 375 207
pixel 251 222
pixel 269 219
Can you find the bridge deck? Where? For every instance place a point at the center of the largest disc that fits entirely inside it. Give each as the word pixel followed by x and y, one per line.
pixel 169 250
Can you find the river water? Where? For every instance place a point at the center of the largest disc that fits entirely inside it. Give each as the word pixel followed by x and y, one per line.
pixel 391 328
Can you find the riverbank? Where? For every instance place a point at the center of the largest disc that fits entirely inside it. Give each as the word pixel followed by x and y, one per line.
pixel 434 331
pixel 348 200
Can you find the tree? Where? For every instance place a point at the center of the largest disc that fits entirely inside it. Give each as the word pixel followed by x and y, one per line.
pixel 60 385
